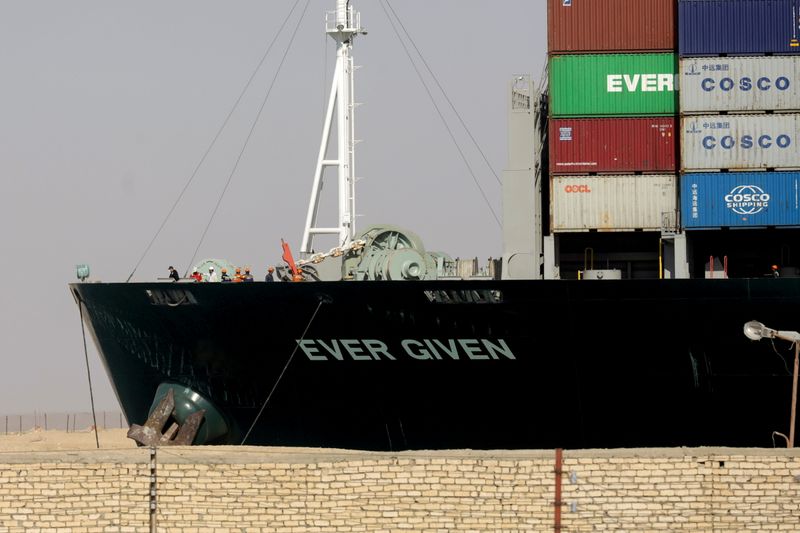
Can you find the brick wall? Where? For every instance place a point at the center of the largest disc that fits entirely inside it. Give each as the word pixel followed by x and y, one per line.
pixel 267 489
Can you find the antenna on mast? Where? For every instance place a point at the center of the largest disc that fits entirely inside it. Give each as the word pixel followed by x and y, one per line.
pixel 342 25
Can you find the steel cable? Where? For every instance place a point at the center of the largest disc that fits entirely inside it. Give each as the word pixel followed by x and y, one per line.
pixel 88 371
pixel 285 367
pixel 213 141
pixel 441 116
pixel 249 136
pixel 444 93
pixel 780 356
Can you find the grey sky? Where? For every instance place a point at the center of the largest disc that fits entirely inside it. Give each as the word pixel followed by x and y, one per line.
pixel 107 107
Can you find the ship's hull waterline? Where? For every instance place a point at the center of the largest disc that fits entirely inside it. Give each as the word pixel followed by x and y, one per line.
pixel 458 364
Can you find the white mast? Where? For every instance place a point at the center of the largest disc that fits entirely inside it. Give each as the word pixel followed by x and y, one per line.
pixel 342 25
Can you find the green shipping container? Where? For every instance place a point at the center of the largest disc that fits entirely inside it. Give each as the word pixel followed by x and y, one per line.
pixel 595 85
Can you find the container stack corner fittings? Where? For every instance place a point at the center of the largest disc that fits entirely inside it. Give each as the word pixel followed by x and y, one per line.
pixel 613 114
pixel 739 107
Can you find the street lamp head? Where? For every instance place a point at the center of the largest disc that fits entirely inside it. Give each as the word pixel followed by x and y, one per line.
pixel 755 331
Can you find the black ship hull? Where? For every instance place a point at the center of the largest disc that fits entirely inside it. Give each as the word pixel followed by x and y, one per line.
pixel 458 364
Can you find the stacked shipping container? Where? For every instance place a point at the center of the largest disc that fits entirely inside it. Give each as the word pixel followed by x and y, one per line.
pixel 738 27
pixel 613 105
pixel 739 103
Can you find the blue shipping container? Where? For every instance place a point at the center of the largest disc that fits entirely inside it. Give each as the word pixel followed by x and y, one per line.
pixel 713 27
pixel 740 199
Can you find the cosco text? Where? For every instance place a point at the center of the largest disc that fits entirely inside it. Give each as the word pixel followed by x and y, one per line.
pixel 747 141
pixel 745 84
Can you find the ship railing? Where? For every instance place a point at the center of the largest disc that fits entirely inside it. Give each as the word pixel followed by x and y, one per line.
pixel 332 21
pixel 716 269
pixel 669 223
pixel 471 268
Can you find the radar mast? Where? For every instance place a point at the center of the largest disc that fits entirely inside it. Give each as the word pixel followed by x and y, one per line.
pixel 342 25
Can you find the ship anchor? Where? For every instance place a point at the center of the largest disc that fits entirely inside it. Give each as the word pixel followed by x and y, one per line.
pixel 150 434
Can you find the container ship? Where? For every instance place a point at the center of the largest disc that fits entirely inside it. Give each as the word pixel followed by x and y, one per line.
pixel 651 186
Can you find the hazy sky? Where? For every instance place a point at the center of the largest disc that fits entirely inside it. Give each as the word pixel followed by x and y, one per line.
pixel 107 108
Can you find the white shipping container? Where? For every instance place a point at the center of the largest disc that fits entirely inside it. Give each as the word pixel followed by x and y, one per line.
pixel 740 142
pixel 612 203
pixel 766 83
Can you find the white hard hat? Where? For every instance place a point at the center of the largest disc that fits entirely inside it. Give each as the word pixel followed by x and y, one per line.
pixel 211 268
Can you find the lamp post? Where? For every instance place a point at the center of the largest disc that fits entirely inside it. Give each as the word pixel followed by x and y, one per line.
pixel 756 331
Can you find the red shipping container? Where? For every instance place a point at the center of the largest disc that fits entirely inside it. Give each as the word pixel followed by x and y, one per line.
pixel 612 145
pixel 611 26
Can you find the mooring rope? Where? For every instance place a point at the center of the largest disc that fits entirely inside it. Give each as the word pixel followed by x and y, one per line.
pixel 441 90
pixel 439 111
pixel 214 140
pixel 285 367
pixel 247 139
pixel 88 372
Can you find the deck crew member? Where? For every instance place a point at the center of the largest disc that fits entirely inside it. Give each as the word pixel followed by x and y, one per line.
pixel 247 276
pixel 269 276
pixel 174 274
pixel 225 276
pixel 212 275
